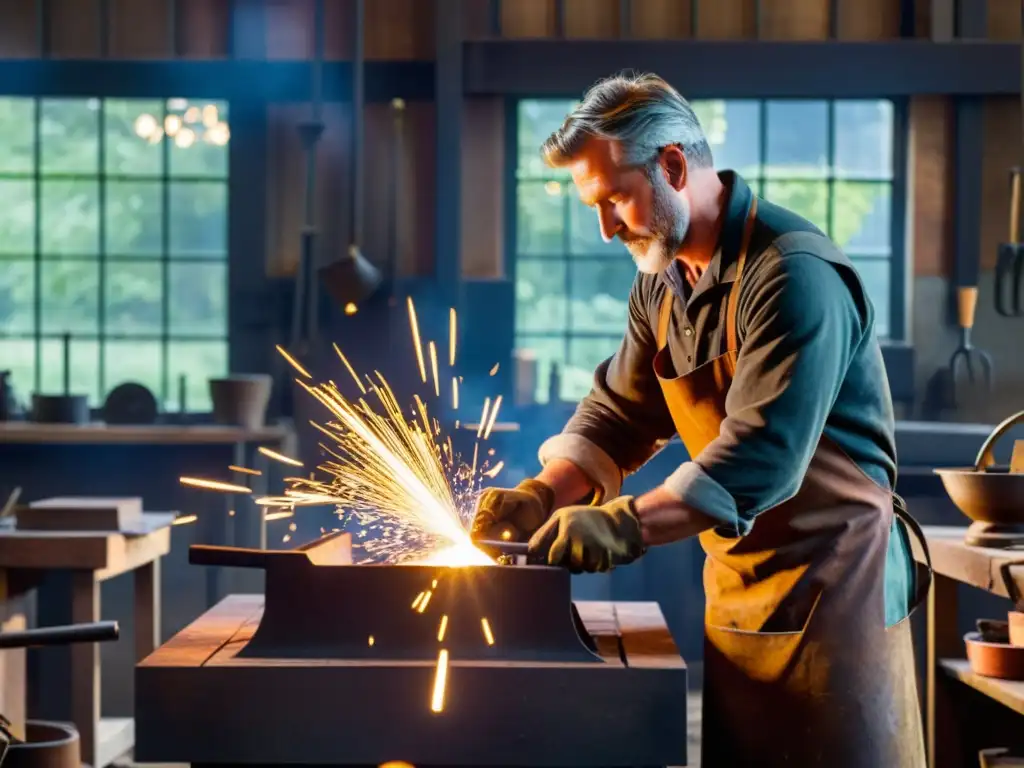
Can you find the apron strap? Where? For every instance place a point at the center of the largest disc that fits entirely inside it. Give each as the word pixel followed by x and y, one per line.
pixel 731 341
pixel 899 507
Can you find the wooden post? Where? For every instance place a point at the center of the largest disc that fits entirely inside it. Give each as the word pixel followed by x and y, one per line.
pixel 85 664
pixel 147 609
pixel 943 641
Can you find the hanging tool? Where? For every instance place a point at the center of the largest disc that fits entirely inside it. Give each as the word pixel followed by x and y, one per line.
pixel 966 356
pixel 1010 264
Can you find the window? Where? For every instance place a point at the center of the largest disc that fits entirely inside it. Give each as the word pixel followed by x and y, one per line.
pixel 113 230
pixel 829 161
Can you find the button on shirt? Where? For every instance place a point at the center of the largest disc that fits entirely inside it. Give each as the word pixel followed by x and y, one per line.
pixel 811 365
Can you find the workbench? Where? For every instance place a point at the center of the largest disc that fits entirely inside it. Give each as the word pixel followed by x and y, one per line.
pixel 959 716
pixel 199 701
pixel 89 558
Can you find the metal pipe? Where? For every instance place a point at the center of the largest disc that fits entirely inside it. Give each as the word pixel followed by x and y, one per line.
pixel 358 109
pixel 94 632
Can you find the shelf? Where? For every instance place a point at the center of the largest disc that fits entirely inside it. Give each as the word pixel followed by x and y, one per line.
pixel 1009 693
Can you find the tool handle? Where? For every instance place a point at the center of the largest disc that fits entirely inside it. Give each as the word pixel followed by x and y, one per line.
pixel 966 303
pixel 94 632
pixel 1015 192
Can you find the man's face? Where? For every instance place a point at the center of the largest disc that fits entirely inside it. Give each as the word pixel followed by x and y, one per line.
pixel 634 204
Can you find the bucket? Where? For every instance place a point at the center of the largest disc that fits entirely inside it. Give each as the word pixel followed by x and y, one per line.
pixel 241 400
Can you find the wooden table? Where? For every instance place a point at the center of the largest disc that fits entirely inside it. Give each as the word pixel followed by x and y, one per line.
pixel 948 720
pixel 91 557
pixel 200 701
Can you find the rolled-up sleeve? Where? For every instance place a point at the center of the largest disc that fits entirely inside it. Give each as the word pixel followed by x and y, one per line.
pixel 800 325
pixel 620 424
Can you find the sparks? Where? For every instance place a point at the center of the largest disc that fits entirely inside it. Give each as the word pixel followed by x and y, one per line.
pixel 184 519
pixel 244 470
pixel 483 417
pixel 281 515
pixel 370 641
pixel 213 485
pixel 455 393
pixel 494 370
pixel 293 362
pixel 424 602
pixel 433 368
pixel 488 635
pixel 442 627
pixel 493 471
pixel 440 679
pixel 350 369
pixel 452 333
pixel 279 457
pixel 493 417
pixel 414 326
pixel 418 600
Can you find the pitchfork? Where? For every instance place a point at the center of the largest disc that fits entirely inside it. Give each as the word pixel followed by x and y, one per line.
pixel 966 355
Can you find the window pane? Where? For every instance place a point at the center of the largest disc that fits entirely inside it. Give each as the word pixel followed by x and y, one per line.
pixel 69 293
pixel 540 295
pixel 584 357
pixel 876 275
pixel 197 296
pixel 140 362
pixel 585 230
pixel 806 198
pixel 198 361
pixel 70 217
pixel 17 217
pixel 133 137
pixel 540 218
pixel 862 217
pixel 17 134
pixel 863 139
pixel 199 136
pixel 134 218
pixel 538 119
pixel 600 294
pixel 797 139
pixel 17 298
pixel 69 135
pixel 547 351
pixel 19 357
pixel 84 376
pixel 733 129
pixel 133 298
pixel 199 219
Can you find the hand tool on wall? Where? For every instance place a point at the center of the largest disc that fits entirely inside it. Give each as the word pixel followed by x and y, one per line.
pixel 967 360
pixel 1009 288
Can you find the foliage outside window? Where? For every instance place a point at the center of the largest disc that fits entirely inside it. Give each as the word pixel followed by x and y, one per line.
pixel 831 162
pixel 113 229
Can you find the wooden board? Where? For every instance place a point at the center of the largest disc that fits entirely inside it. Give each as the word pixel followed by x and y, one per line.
pixel 198 702
pixel 976 566
pixel 1009 693
pixel 81 514
pixel 109 554
pixel 21 432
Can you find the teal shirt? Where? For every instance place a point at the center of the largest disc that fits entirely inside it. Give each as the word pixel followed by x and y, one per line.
pixel 810 364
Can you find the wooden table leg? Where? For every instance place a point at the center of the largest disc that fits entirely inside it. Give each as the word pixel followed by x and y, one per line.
pixel 943 641
pixel 147 609
pixel 85 664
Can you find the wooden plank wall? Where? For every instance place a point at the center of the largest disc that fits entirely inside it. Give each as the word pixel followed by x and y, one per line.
pixel 404 30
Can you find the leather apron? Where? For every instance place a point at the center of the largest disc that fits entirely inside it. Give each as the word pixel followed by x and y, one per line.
pixel 799 667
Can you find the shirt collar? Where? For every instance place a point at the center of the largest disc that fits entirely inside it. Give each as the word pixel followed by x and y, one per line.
pixel 722 268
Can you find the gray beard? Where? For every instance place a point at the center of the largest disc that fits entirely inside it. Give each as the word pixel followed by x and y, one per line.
pixel 670 221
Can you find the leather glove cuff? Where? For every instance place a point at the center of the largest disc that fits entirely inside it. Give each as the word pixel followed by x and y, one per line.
pixel 543 492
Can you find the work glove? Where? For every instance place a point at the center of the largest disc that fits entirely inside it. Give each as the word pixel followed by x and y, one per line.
pixel 590 539
pixel 512 514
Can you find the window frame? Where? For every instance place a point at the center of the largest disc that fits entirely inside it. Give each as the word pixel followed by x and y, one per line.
pixel 102 258
pixel 899 263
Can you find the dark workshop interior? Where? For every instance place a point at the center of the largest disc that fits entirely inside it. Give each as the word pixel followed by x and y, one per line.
pixel 215 214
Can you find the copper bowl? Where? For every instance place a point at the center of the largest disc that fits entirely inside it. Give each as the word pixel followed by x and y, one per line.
pixel 1000 660
pixel 985 495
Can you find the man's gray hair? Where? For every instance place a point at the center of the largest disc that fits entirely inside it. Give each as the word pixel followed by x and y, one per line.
pixel 642 112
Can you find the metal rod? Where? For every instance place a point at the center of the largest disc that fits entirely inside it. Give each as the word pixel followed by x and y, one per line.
pixel 95 632
pixel 495 9
pixel 358 101
pixel 625 18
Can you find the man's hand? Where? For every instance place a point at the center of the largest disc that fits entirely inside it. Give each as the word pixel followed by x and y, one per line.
pixel 512 513
pixel 591 539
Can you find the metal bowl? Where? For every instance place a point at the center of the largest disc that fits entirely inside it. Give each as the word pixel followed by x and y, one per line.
pixel 986 497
